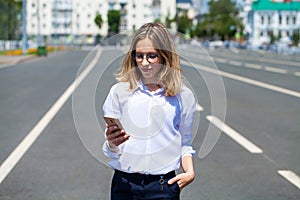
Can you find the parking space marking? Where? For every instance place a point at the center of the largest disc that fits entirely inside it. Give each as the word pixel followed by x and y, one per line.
pixel 291 176
pixel 233 134
pixel 31 137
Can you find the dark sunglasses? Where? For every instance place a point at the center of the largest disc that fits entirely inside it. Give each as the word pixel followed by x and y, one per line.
pixel 150 57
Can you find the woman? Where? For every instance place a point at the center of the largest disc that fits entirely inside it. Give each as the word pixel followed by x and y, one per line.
pixel 156 112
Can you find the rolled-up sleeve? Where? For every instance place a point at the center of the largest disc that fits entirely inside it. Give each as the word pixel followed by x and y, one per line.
pixel 111 109
pixel 188 108
pixel 110 152
pixel 111 106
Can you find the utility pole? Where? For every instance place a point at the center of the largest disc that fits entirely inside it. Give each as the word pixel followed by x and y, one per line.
pixel 38 24
pixel 24 38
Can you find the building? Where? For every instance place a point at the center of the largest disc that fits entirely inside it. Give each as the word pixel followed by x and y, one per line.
pixel 272 18
pixel 75 18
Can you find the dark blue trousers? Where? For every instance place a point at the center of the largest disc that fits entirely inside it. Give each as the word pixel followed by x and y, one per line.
pixel 134 186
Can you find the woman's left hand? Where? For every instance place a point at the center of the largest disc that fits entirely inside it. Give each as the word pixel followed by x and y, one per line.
pixel 182 179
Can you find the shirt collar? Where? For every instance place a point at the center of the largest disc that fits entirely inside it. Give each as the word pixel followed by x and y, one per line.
pixel 143 87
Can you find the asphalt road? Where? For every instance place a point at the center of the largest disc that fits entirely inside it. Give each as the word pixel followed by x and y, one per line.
pixel 253 155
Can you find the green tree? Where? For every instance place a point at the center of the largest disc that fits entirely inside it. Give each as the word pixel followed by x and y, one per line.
pixel 220 21
pixel 168 21
pixel 98 20
pixel 113 18
pixel 10 19
pixel 183 22
pixel 296 37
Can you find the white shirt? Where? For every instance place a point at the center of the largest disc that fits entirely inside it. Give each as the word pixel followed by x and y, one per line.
pixel 160 128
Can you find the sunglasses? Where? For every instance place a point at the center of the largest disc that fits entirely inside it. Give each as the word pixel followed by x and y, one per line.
pixel 150 57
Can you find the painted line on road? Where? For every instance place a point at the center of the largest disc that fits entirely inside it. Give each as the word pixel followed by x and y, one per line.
pixel 291 176
pixel 220 60
pixel 297 73
pixel 199 108
pixel 31 137
pixel 233 134
pixel 275 70
pixel 236 63
pixel 245 80
pixel 253 66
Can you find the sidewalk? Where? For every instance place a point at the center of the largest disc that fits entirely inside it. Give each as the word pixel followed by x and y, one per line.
pixel 11 60
pixel 15 59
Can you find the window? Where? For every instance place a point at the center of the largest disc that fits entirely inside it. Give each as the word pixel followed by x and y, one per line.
pixel 269 20
pixel 262 20
pixel 280 20
pixel 294 20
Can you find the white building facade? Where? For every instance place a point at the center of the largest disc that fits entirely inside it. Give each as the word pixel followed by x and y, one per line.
pixel 277 18
pixel 76 17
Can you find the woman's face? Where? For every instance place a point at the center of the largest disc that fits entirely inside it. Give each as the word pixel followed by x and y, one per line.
pixel 148 61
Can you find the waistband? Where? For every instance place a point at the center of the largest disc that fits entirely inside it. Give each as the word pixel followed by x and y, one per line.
pixel 145 177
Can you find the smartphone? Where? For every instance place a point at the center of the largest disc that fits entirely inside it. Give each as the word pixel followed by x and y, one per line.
pixel 113 121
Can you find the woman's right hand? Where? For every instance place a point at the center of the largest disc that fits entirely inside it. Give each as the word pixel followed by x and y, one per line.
pixel 116 136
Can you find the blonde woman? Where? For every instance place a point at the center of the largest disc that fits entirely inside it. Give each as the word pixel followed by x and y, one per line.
pixel 154 111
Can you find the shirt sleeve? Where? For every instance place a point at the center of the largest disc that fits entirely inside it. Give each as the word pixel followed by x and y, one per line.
pixel 111 109
pixel 188 107
pixel 110 152
pixel 111 106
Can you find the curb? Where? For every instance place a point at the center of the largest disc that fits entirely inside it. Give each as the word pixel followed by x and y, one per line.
pixel 9 61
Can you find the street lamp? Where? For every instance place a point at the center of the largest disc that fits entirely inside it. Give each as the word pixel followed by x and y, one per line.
pixel 24 37
pixel 38 24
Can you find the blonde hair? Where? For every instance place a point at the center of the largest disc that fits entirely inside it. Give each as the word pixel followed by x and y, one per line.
pixel 170 75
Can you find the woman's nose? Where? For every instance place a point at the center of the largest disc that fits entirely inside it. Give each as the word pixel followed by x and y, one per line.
pixel 145 61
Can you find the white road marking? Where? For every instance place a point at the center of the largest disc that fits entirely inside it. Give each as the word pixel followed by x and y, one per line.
pixel 221 60
pixel 236 63
pixel 199 108
pixel 253 66
pixel 291 177
pixel 244 142
pixel 235 50
pixel 276 70
pixel 297 73
pixel 246 80
pixel 31 137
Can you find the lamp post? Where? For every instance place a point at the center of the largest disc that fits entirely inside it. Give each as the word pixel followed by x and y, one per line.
pixel 24 37
pixel 38 24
